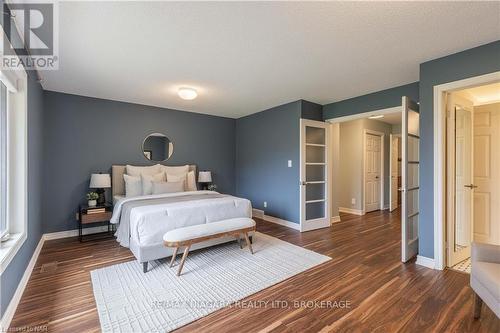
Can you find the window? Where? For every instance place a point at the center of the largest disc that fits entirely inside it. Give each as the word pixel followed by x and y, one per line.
pixel 13 164
pixel 3 160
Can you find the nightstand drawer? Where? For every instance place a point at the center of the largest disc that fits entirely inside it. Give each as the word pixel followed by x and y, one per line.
pixel 93 218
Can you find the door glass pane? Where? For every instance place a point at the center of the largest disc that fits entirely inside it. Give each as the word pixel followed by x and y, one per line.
pixel 315 191
pixel 315 135
pixel 463 178
pixel 315 173
pixel 315 154
pixel 315 210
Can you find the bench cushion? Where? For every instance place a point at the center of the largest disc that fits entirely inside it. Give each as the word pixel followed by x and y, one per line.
pixel 208 229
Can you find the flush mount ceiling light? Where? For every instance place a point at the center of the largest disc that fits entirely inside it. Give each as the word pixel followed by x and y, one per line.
pixel 376 117
pixel 187 93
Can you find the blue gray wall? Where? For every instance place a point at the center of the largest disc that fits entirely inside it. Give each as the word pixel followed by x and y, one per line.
pixel 265 141
pixel 375 101
pixel 13 273
pixel 86 135
pixel 473 62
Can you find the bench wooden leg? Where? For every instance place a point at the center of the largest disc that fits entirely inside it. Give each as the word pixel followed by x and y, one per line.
pixel 173 256
pixel 184 256
pixel 248 242
pixel 239 241
pixel 478 302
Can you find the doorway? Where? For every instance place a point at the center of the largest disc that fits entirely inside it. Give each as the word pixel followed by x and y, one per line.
pixel 373 179
pixel 471 179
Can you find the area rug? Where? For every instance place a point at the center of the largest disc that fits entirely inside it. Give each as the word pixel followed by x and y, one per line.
pixel 159 301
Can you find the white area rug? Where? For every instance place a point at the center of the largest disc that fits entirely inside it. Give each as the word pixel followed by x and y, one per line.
pixel 159 301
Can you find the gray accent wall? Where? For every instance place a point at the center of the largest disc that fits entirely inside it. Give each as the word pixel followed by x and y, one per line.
pixel 86 135
pixel 14 272
pixel 375 101
pixel 265 141
pixel 473 62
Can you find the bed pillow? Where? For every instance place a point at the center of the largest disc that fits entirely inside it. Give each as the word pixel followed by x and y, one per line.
pixel 167 187
pixel 133 186
pixel 175 170
pixel 178 178
pixel 191 182
pixel 137 171
pixel 147 182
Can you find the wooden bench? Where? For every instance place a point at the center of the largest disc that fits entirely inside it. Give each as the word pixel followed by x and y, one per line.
pixel 187 236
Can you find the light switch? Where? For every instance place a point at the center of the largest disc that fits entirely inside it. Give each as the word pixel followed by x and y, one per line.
pixel 289 163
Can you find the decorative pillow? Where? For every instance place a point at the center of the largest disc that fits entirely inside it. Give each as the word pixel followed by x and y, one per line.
pixel 167 187
pixel 178 178
pixel 137 171
pixel 175 170
pixel 191 182
pixel 133 186
pixel 147 182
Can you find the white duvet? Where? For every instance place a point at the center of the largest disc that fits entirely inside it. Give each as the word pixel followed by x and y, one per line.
pixel 148 223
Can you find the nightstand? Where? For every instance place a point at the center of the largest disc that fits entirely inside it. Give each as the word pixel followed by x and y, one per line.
pixel 96 214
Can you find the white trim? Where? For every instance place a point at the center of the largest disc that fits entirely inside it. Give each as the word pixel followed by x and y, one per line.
pixel 382 176
pixel 258 213
pixel 364 115
pixel 73 233
pixel 440 158
pixel 282 222
pixel 335 219
pixel 351 211
pixel 16 298
pixel 426 262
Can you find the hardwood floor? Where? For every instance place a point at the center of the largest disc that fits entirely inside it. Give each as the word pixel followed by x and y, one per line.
pixel 385 295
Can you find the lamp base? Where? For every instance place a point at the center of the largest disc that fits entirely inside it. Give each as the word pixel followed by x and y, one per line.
pixel 204 186
pixel 102 197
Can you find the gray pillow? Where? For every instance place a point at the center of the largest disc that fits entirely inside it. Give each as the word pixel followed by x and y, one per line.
pixel 168 187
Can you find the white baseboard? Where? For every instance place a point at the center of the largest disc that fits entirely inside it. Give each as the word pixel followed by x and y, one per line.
pixel 73 233
pixel 351 211
pixel 335 219
pixel 261 215
pixel 426 262
pixel 258 213
pixel 16 298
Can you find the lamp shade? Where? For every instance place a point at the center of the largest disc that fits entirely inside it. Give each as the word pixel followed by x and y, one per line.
pixel 100 180
pixel 204 177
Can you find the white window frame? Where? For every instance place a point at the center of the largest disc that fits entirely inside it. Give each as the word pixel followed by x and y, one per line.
pixel 17 164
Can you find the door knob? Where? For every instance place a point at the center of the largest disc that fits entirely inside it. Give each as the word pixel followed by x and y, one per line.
pixel 471 186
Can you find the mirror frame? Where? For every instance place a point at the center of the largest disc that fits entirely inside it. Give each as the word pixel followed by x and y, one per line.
pixel 152 134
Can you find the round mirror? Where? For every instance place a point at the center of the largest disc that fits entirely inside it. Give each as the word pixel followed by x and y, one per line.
pixel 157 147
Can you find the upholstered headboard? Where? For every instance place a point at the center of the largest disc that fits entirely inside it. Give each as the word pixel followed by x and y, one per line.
pixel 118 183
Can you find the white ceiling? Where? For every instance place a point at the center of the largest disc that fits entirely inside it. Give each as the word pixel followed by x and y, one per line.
pixel 486 94
pixel 248 56
pixel 391 118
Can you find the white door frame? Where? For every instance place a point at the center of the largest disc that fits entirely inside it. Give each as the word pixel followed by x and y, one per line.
pixel 315 224
pixel 392 136
pixel 382 140
pixel 440 157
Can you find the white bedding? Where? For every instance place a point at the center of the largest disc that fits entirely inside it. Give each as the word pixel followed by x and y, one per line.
pixel 148 223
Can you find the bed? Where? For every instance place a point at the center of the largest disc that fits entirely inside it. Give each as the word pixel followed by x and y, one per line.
pixel 142 221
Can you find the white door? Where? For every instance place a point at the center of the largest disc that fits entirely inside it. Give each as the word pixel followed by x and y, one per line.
pixel 410 168
pixel 314 175
pixel 459 178
pixel 373 175
pixel 487 174
pixel 393 171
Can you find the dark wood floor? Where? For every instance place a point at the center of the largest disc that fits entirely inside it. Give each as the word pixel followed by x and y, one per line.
pixel 385 295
